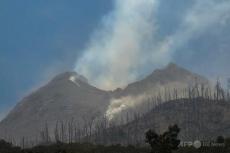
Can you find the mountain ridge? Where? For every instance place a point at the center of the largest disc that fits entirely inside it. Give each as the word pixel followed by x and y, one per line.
pixel 161 77
pixel 69 96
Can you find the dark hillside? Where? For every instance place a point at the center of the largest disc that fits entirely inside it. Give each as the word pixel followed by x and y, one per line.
pixel 198 119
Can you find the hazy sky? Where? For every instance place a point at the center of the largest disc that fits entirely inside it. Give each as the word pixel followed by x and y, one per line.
pixel 39 39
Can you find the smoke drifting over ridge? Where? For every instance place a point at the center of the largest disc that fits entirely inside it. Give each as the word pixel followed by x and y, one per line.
pixel 124 103
pixel 121 46
pixel 125 44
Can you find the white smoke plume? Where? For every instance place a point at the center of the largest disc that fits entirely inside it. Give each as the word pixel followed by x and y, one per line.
pixel 119 48
pixel 199 19
pixel 124 103
pixel 125 42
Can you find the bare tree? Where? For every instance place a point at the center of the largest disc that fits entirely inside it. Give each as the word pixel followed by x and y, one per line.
pixel 56 132
pixel 70 131
pixel 45 137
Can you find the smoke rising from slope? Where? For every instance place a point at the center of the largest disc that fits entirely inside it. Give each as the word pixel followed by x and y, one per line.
pixel 199 18
pixel 125 43
pixel 124 103
pixel 121 46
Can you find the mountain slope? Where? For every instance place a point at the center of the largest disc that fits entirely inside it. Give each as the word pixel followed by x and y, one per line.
pixel 136 96
pixel 172 76
pixel 199 119
pixel 69 96
pixel 65 97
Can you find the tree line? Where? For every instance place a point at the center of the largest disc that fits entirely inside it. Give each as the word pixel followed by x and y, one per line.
pixel 100 130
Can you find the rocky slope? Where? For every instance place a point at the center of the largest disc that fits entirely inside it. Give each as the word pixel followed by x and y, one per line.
pixel 172 76
pixel 198 119
pixel 161 82
pixel 70 97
